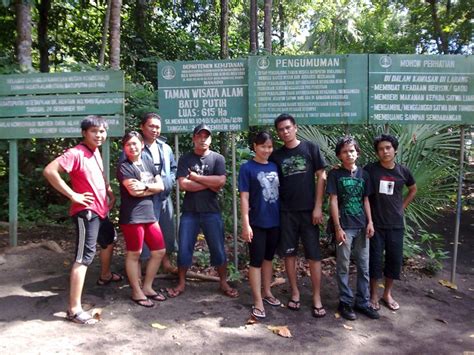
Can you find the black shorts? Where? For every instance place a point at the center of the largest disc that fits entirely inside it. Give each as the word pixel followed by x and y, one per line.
pixel 90 230
pixel 389 241
pixel 296 225
pixel 263 245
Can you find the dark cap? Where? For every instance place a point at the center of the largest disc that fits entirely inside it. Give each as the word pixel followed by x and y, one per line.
pixel 201 127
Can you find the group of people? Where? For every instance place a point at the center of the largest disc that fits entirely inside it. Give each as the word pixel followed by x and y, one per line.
pixel 281 195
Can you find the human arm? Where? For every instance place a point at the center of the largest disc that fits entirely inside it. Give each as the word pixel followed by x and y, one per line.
pixel 111 196
pixel 334 211
pixel 317 214
pixel 369 233
pixel 212 182
pixel 52 172
pixel 410 196
pixel 247 233
pixel 137 188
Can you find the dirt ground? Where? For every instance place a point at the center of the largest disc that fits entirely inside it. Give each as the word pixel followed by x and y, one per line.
pixel 433 319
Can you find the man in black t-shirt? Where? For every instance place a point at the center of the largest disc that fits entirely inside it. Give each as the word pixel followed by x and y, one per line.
pixel 201 174
pixel 301 198
pixel 387 205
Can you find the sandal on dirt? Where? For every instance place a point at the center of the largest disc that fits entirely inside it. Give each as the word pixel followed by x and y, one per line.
pixel 272 301
pixel 258 313
pixel 81 318
pixel 157 297
pixel 374 305
pixel 115 277
pixel 145 302
pixel 173 292
pixel 230 292
pixel 318 312
pixel 393 306
pixel 295 306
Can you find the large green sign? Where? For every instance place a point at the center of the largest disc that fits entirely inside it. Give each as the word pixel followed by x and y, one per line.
pixel 53 105
pixel 314 89
pixel 418 89
pixel 210 92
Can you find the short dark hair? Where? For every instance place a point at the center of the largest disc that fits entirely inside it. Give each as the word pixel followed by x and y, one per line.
pixel 386 138
pixel 148 116
pixel 284 117
pixel 130 135
pixel 346 140
pixel 93 121
pixel 262 137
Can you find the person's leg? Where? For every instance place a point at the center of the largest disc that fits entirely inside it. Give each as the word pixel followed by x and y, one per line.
pixel 256 252
pixel 188 231
pixel 154 240
pixel 78 275
pixel 168 229
pixel 272 236
pixel 361 257
pixel 105 262
pixel 393 264
pixel 377 245
pixel 213 228
pixel 343 260
pixel 290 267
pixel 131 266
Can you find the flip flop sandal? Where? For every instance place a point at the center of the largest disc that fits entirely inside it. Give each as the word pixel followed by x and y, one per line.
pixel 296 306
pixel 172 293
pixel 319 312
pixel 157 297
pixel 258 313
pixel 81 318
pixel 144 302
pixel 272 301
pixel 393 306
pixel 375 305
pixel 230 292
pixel 116 277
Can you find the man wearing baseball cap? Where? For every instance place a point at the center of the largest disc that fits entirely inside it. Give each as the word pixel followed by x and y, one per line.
pixel 201 174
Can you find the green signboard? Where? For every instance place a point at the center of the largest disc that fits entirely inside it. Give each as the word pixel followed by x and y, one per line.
pixel 314 89
pixel 421 89
pixel 210 92
pixel 47 105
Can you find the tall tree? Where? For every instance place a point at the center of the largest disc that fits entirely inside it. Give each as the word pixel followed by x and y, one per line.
pixel 23 29
pixel 267 25
pixel 253 26
pixel 115 11
pixel 224 29
pixel 105 31
pixel 43 43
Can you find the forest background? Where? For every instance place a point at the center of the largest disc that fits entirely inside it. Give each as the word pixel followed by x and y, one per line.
pixel 62 36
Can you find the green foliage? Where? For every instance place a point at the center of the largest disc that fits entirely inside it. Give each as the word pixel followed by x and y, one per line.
pixel 233 274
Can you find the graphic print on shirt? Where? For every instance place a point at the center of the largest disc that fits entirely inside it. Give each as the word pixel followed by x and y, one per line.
pixel 294 165
pixel 200 170
pixel 352 191
pixel 269 182
pixel 387 185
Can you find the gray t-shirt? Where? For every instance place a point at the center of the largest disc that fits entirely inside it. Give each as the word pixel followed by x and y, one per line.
pixel 210 164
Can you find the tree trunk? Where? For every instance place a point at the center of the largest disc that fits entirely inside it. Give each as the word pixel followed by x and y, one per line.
pixel 43 44
pixel 253 27
pixel 441 40
pixel 23 29
pixel 105 30
pixel 224 29
pixel 116 6
pixel 267 26
pixel 281 17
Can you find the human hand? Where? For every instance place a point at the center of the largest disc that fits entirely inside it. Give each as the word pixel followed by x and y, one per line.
pixel 317 216
pixel 84 199
pixel 369 232
pixel 247 234
pixel 340 236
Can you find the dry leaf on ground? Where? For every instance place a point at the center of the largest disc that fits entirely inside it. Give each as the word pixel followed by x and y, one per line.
pixel 97 313
pixel 348 327
pixel 282 331
pixel 158 326
pixel 278 281
pixel 449 284
pixel 337 315
pixel 252 320
pixel 441 320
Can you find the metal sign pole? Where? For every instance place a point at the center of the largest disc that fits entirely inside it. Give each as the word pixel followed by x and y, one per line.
pixel 177 206
pixel 234 202
pixel 458 209
pixel 13 193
